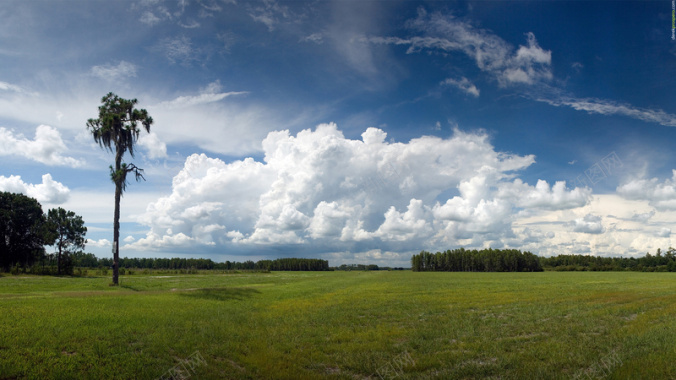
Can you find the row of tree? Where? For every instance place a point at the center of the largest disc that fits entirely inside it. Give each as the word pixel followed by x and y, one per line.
pixel 88 260
pixel 25 230
pixel 293 264
pixel 485 260
pixel 512 260
pixel 659 262
pixel 364 267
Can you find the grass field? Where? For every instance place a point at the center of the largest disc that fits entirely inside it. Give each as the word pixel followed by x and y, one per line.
pixel 340 325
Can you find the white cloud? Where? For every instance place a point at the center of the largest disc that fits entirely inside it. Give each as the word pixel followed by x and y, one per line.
pixel 662 195
pixel 129 239
pixel 204 98
pixel 4 86
pixel 47 147
pixel 152 143
pixel 271 13
pixel 216 125
pixel 317 38
pixel 323 190
pixel 149 18
pixel 49 191
pixel 527 65
pixel 114 73
pixel 464 84
pixel 178 49
pixel 544 197
pixel 101 243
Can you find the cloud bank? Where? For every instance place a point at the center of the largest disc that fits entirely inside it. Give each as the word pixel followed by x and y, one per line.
pixel 323 191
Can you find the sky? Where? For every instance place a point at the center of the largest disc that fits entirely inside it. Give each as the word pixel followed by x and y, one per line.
pixel 351 131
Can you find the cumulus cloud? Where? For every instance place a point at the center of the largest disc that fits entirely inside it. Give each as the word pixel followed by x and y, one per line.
pixel 542 196
pixel 329 192
pixel 47 147
pixel 661 195
pixel 463 84
pixel 49 191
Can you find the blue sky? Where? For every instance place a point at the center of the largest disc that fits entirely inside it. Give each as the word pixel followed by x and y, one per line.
pixel 358 132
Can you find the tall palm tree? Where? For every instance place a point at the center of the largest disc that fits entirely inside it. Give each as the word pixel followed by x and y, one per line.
pixel 117 130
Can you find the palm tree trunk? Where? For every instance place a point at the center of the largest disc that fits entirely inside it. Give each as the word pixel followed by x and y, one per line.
pixel 116 220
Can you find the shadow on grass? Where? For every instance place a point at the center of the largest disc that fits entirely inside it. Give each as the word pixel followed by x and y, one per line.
pixel 221 294
pixel 130 288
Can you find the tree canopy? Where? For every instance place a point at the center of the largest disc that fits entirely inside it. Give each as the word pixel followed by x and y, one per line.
pixel 69 233
pixel 23 233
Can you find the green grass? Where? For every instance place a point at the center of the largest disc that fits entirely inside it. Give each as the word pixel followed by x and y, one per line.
pixel 341 325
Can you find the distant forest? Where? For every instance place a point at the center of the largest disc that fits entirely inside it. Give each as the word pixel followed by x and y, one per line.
pixel 512 260
pixel 88 260
pixel 485 260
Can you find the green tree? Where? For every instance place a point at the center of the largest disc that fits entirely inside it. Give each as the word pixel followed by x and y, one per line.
pixel 23 233
pixel 117 130
pixel 69 233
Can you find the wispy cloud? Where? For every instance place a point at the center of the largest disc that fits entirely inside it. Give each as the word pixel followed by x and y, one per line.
pixel 212 93
pixel 528 64
pixel 463 84
pixel 178 49
pixel 609 107
pixel 149 18
pixel 4 86
pixel 317 38
pixel 270 13
pixel 115 72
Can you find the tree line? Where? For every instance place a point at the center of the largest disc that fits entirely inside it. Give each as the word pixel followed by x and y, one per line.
pixel 659 262
pixel 88 260
pixel 512 260
pixel 485 260
pixel 364 267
